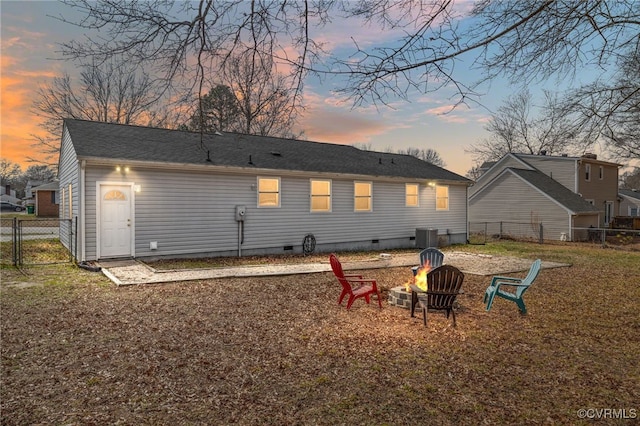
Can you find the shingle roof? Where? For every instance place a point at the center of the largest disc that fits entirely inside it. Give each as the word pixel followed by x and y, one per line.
pixel 560 193
pixel 123 142
pixel 51 186
pixel 631 193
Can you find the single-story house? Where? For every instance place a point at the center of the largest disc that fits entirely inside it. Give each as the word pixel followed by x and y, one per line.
pixel 149 193
pixel 46 199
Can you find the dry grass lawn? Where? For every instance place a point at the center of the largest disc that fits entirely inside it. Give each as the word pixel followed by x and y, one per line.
pixel 77 350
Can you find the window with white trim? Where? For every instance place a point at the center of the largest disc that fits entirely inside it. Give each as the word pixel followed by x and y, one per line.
pixel 70 201
pixel 411 194
pixel 320 195
pixel 268 192
pixel 587 172
pixel 62 203
pixel 362 196
pixel 442 197
pixel 601 172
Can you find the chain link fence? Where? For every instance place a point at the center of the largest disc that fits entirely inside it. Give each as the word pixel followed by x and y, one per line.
pixel 484 232
pixel 36 241
pixel 609 237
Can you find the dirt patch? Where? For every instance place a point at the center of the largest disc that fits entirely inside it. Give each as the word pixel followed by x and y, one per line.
pixel 22 284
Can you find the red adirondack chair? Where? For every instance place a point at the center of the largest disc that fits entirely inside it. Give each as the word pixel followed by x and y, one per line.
pixel 354 286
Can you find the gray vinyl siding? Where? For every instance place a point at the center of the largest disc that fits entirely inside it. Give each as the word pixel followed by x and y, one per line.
pixel 193 213
pixel 562 170
pixel 512 200
pixel 628 204
pixel 68 174
pixel 489 175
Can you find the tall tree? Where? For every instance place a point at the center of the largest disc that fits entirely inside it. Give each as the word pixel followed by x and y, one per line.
pixel 519 127
pixel 39 172
pixel 265 101
pixel 524 40
pixel 113 92
pixel 9 171
pixel 217 111
pixel 630 179
pixel 254 99
pixel 611 108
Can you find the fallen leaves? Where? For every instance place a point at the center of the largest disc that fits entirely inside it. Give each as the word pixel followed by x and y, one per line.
pixel 280 350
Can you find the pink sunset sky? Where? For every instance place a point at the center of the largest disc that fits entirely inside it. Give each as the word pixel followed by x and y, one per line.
pixel 29 48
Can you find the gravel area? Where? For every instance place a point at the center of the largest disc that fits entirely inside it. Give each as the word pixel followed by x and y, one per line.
pixel 133 272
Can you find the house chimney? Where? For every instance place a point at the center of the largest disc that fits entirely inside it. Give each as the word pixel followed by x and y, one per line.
pixel 590 156
pixel 7 189
pixel 543 152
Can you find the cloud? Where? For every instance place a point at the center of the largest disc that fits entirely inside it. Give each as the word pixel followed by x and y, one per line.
pixel 326 125
pixel 329 119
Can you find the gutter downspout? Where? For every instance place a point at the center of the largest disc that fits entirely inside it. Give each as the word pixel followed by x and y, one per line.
pixel 467 211
pixel 82 210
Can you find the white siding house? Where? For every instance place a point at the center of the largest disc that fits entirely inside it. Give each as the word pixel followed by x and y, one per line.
pixel 145 192
pixel 630 204
pixel 536 190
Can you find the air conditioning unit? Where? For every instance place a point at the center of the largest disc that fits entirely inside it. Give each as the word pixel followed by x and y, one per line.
pixel 426 238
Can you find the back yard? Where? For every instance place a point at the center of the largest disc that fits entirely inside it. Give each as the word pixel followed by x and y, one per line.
pixel 78 350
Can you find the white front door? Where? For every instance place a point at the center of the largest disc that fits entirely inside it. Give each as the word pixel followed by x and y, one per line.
pixel 115 221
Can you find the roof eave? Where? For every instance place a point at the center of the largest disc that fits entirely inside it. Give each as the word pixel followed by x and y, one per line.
pixel 101 161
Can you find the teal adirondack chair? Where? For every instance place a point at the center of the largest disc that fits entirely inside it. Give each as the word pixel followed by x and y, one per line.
pixel 521 285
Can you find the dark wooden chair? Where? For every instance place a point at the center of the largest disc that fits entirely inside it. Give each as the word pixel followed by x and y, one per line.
pixel 354 286
pixel 443 285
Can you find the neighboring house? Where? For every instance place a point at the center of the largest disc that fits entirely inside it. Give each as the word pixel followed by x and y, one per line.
pixel 29 195
pixel 31 184
pixel 8 194
pixel 560 192
pixel 146 192
pixel 630 204
pixel 47 199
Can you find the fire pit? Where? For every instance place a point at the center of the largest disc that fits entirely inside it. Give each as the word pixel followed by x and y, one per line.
pixel 399 296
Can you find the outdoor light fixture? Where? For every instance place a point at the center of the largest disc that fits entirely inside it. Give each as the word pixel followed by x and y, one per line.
pixel 122 169
pixel 432 184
